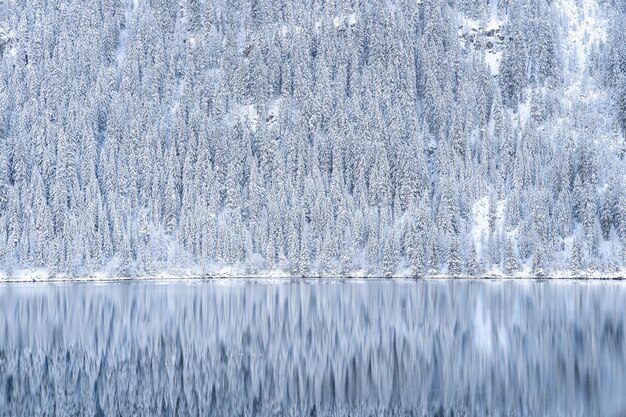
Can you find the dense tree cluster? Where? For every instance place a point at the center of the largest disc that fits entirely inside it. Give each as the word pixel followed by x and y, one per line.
pixel 315 137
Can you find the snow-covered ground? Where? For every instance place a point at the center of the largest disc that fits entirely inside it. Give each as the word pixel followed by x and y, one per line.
pixel 120 53
pixel 471 30
pixel 480 225
pixel 341 21
pixel 248 115
pixel 231 272
pixel 587 26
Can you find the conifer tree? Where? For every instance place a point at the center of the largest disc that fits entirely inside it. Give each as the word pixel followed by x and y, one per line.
pixel 472 262
pixel 576 260
pixel 510 259
pixel 454 259
pixel 538 261
pixel 415 251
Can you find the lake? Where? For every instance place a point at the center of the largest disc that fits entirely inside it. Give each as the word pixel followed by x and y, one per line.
pixel 314 348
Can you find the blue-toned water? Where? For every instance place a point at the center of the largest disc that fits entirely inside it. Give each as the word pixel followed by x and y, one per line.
pixel 315 348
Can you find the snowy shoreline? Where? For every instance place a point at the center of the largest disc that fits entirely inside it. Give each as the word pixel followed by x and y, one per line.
pixel 279 276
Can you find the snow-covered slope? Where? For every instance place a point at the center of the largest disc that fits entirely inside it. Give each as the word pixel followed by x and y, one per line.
pixel 586 26
pixel 333 138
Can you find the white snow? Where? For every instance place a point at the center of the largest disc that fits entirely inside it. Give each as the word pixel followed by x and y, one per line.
pixel 341 21
pixel 344 19
pixel 495 21
pixel 493 60
pixel 273 112
pixel 120 54
pixel 229 274
pixel 249 116
pixel 352 19
pixel 476 29
pixel 523 110
pixel 587 26
pixel 470 25
pixel 480 224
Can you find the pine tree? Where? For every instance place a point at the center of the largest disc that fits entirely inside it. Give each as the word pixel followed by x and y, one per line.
pixel 510 258
pixel 493 218
pixel 380 187
pixel 576 258
pixel 472 262
pixel 170 203
pixel 447 213
pixel 433 258
pixel 606 213
pixel 621 216
pixel 390 257
pixel 512 69
pixel 454 259
pixel 538 261
pixel 588 211
pixel 494 247
pixel 415 251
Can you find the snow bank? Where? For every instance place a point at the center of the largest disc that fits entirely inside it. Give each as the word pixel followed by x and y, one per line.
pixel 233 272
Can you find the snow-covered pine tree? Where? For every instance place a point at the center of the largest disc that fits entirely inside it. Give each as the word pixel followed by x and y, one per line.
pixel 473 268
pixel 415 250
pixel 454 258
pixel 538 261
pixel 434 264
pixel 510 258
pixel 621 216
pixel 576 258
pixel 390 255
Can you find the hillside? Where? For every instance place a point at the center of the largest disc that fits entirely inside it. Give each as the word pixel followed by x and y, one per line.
pixel 307 138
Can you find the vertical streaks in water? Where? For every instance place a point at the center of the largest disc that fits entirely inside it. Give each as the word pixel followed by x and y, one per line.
pixel 342 349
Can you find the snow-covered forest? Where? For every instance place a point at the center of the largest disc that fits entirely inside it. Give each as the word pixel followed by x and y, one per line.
pixel 313 137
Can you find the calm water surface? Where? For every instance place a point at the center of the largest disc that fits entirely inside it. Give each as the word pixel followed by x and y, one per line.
pixel 314 348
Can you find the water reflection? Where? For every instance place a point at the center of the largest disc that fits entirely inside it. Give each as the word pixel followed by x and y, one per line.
pixel 313 348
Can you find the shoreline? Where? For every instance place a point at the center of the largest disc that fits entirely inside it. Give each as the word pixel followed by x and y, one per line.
pixel 170 278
